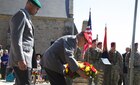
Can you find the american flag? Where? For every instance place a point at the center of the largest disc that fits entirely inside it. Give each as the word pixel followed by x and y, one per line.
pixel 88 30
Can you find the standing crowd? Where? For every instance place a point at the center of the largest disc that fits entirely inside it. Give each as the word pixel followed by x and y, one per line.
pixel 4 55
pixel 23 60
pixel 118 73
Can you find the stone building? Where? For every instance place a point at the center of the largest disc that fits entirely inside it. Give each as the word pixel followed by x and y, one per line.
pixel 84 25
pixel 53 20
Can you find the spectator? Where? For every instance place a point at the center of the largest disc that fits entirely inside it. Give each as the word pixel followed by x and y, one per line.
pixel 1 54
pixel 125 68
pixel 38 58
pixel 4 62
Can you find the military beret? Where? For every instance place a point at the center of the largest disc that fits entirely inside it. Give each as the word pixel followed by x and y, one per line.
pixel 94 41
pixel 99 43
pixel 113 44
pixel 36 2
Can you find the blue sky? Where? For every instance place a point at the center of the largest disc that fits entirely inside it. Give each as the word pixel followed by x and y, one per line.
pixel 116 14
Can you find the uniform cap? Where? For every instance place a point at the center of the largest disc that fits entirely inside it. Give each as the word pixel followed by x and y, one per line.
pixel 93 41
pixel 113 44
pixel 99 43
pixel 36 2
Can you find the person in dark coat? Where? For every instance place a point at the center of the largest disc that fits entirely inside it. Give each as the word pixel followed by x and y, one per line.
pixel 22 42
pixel 61 52
pixel 125 68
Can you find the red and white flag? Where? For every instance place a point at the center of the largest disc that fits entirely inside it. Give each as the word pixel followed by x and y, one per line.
pixel 105 50
pixel 88 30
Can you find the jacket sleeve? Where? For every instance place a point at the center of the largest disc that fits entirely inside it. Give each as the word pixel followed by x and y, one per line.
pixel 69 56
pixel 17 30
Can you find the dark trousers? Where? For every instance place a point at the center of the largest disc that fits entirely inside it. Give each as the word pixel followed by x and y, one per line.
pixel 120 81
pixel 8 71
pixel 55 78
pixel 3 71
pixel 22 77
pixel 107 75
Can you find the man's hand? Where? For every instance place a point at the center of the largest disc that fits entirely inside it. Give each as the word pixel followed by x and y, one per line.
pixel 82 73
pixel 22 65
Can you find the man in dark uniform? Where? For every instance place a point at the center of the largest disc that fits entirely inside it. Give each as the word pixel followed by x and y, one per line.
pixel 93 56
pixel 116 64
pixel 136 69
pixel 22 42
pixel 61 52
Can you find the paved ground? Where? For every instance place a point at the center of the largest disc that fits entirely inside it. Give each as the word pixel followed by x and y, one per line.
pixel 3 82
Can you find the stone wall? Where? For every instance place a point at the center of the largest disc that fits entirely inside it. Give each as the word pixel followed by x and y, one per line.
pixel 50 8
pixel 84 25
pixel 46 30
pixel 4 30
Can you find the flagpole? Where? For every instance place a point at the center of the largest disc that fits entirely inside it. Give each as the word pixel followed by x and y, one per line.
pixel 88 30
pixel 133 40
pixel 97 37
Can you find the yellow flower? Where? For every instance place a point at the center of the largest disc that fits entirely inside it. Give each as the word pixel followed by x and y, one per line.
pixel 81 65
pixel 87 73
pixel 84 66
pixel 87 68
pixel 67 70
pixel 90 72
